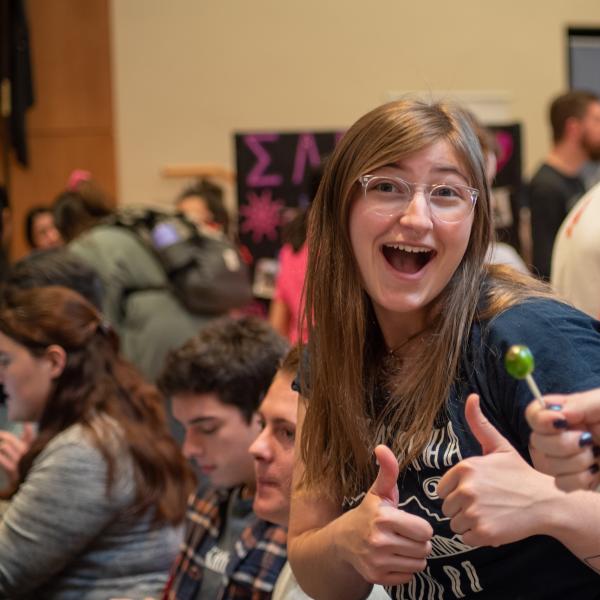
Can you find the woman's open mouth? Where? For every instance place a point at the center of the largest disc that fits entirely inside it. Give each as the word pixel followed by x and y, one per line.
pixel 407 259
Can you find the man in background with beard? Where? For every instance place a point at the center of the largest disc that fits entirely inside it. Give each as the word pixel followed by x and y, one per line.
pixel 557 184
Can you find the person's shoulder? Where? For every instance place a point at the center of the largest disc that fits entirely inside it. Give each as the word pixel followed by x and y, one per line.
pixel 535 310
pixel 585 213
pixel 540 172
pixel 113 250
pixel 78 443
pixel 107 238
pixel 564 342
pixel 543 173
pixel 73 452
pixel 116 233
pixel 540 321
pixel 546 180
pixel 74 435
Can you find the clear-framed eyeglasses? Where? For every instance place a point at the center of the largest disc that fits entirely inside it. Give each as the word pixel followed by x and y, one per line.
pixel 449 203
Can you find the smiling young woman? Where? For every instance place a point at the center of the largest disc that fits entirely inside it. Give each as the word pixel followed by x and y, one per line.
pixel 405 322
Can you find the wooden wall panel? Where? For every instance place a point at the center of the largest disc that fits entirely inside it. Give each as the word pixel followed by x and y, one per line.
pixel 71 124
pixel 71 60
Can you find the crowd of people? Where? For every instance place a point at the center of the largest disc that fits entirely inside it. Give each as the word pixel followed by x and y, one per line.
pixel 363 441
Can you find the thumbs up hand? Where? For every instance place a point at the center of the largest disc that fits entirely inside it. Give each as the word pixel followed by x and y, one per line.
pixel 385 545
pixel 385 485
pixel 497 498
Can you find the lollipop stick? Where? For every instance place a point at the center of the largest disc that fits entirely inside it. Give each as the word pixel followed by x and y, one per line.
pixel 535 390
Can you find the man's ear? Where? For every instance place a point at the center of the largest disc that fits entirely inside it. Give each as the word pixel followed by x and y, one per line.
pixel 57 359
pixel 573 127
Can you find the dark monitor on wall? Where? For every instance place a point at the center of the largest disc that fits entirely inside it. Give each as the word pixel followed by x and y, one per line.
pixel 583 49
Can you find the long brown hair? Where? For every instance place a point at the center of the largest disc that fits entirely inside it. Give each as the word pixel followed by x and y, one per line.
pixel 96 383
pixel 345 343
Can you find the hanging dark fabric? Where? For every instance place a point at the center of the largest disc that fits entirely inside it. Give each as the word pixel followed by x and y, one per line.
pixel 17 64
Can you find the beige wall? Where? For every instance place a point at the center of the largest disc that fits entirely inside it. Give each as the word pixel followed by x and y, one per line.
pixel 188 73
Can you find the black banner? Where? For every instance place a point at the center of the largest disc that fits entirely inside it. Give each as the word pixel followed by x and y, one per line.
pixel 274 172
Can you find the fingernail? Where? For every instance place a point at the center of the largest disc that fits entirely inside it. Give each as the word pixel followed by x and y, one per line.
pixel 585 439
pixel 596 451
pixel 560 423
pixel 554 406
pixel 594 468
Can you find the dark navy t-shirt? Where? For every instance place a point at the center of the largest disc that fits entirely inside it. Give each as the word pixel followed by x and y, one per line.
pixel 566 347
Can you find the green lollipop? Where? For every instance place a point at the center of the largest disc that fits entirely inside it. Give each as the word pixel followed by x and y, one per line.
pixel 519 363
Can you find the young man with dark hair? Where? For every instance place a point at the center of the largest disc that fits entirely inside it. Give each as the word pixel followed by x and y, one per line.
pixel 215 383
pixel 557 184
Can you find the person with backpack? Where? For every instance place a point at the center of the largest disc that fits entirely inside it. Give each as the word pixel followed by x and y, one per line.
pixel 163 280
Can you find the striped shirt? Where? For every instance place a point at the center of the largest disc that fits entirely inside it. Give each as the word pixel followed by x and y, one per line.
pixel 254 565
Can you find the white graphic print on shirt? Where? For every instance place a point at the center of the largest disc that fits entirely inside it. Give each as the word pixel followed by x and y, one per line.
pixel 445 576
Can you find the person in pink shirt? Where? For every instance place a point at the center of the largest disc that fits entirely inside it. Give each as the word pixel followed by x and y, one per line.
pixel 286 307
pixel 285 311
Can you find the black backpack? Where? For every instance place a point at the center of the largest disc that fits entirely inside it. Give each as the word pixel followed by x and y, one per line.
pixel 205 272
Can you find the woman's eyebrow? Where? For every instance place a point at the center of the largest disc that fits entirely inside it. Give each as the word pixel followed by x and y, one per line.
pixel 448 169
pixel 444 169
pixel 282 421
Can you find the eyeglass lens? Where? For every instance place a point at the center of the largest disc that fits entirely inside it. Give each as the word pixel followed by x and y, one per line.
pixel 447 202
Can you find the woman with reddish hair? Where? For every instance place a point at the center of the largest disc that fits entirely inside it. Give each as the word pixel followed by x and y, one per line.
pixel 101 494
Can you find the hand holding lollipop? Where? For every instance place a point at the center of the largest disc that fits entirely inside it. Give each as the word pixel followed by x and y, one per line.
pixel 519 363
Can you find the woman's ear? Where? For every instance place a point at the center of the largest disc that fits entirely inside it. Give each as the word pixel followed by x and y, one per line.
pixel 57 359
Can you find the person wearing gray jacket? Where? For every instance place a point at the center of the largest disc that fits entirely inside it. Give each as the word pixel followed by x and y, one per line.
pixel 99 503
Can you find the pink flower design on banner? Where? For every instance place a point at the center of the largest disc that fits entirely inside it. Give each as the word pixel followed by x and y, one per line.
pixel 262 215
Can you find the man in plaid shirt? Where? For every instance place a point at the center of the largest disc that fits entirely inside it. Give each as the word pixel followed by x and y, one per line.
pixel 215 383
